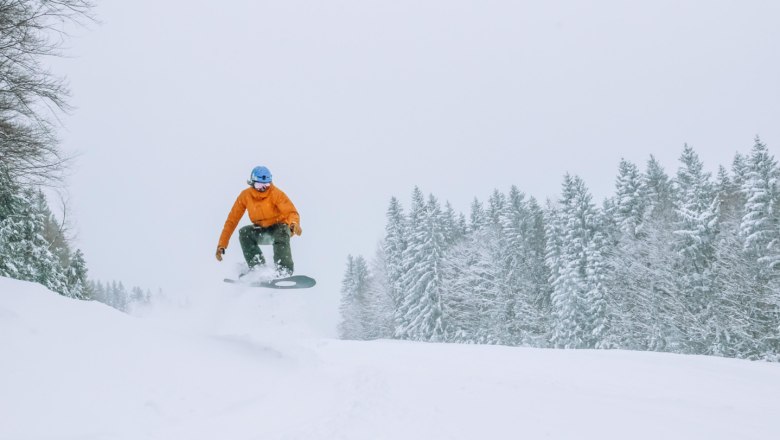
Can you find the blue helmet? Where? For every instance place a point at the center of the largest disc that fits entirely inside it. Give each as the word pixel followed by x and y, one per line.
pixel 260 174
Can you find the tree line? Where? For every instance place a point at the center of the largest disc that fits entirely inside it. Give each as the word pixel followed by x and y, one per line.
pixel 33 243
pixel 685 263
pixel 116 295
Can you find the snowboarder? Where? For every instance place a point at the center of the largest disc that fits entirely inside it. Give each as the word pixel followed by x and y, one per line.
pixel 274 219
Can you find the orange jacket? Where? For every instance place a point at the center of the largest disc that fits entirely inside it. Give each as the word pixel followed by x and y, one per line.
pixel 265 209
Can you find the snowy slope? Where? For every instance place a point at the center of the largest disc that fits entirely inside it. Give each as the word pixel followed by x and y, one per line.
pixel 249 364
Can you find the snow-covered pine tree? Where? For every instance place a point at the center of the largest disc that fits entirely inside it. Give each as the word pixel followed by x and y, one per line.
pixel 737 314
pixel 12 206
pixel 470 289
pixel 739 172
pixel 729 197
pixel 413 222
pixel 696 232
pixel 743 314
pixel 98 291
pixel 760 233
pixel 730 188
pixel 24 251
pixel 693 185
pixel 420 313
pixel 641 203
pixel 522 285
pixel 539 274
pixel 462 225
pixel 78 285
pixel 477 216
pixel 579 302
pixel 600 309
pixel 630 202
pixel 566 325
pixel 452 231
pixel 380 305
pixel 659 191
pixel 393 246
pixel 496 203
pixel 118 296
pixel 48 265
pixel 509 259
pixel 354 304
pixel 643 279
pixel 760 226
pixel 53 231
pixel 624 217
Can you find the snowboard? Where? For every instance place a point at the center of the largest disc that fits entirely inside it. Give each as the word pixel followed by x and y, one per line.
pixel 293 282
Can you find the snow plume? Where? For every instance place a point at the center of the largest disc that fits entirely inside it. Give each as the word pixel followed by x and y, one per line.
pixel 685 264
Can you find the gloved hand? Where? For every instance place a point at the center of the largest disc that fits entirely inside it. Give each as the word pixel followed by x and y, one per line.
pixel 220 253
pixel 295 229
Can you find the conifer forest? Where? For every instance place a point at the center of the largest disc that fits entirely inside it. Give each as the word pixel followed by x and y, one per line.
pixel 684 262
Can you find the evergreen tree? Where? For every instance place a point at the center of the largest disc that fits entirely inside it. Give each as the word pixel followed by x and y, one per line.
pixel 118 296
pixel 98 291
pixel 659 191
pixel 579 300
pixel 697 209
pixel 760 233
pixel 450 227
pixel 496 203
pixel 25 252
pixel 697 229
pixel 644 272
pixel 760 226
pixel 539 274
pixel 420 312
pixel 729 197
pixel 679 265
pixel 53 231
pixel 77 283
pixel 470 288
pixel 12 221
pixel 380 305
pixel 393 246
pixel 520 256
pixel 114 294
pixel 477 218
pixel 567 329
pixel 47 265
pixel 645 284
pixel 630 201
pixel 462 226
pixel 354 301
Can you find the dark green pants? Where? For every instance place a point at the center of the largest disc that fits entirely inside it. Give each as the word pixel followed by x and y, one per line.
pixel 251 237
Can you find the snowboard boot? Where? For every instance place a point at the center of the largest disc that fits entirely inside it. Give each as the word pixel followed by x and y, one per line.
pixel 257 264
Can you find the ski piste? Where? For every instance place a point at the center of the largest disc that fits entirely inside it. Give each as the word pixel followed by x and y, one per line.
pixel 292 282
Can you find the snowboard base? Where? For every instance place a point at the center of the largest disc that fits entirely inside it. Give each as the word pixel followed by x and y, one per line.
pixel 293 282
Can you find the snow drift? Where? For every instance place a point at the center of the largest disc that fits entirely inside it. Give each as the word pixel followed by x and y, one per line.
pixel 249 365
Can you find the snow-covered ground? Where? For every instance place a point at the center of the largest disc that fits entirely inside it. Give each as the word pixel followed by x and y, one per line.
pixel 241 363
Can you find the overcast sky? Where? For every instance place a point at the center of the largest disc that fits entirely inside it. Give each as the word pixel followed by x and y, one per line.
pixel 350 102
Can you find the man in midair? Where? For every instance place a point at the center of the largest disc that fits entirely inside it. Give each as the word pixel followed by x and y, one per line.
pixel 274 219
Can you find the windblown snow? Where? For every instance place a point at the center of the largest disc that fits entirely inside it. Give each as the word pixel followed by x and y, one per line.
pixel 240 363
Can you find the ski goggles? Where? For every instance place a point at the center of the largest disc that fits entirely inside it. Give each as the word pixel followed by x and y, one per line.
pixel 260 185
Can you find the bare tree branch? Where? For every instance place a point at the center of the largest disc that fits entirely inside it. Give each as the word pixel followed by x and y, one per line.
pixel 31 96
